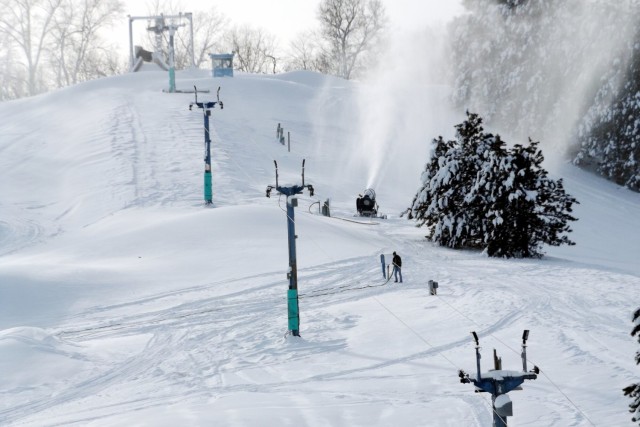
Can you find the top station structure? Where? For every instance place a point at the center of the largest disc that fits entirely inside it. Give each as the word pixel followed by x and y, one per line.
pixel 221 64
pixel 158 25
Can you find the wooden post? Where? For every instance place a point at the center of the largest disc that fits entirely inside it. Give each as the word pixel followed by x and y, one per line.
pixel 289 141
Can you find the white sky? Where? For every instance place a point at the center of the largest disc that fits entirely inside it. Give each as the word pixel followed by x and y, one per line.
pixel 286 18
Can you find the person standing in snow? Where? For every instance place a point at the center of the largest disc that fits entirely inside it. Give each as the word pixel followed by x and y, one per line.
pixel 397 267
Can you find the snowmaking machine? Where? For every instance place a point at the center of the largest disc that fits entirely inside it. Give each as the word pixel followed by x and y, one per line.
pixel 366 204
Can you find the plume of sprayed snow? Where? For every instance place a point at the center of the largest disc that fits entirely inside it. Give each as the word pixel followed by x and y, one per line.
pixel 532 71
pixel 402 104
pixel 528 75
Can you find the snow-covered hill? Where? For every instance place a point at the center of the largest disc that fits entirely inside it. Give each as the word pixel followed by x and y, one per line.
pixel 125 301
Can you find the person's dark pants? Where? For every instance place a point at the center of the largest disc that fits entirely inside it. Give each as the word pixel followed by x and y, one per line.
pixel 397 270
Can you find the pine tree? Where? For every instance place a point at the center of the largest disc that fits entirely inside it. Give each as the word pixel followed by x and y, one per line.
pixel 633 391
pixel 610 132
pixel 433 197
pixel 478 194
pixel 532 209
pixel 447 203
pixel 469 209
pixel 559 70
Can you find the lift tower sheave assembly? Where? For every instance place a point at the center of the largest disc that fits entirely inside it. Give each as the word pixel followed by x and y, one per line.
pixel 293 308
pixel 159 27
pixel 206 110
pixel 500 382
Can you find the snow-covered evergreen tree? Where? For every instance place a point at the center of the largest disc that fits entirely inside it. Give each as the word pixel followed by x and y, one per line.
pixel 633 391
pixel 529 209
pixel 447 204
pixel 557 70
pixel 610 132
pixel 431 203
pixel 478 194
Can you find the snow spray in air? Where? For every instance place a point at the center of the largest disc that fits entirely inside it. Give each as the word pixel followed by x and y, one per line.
pixel 403 104
pixel 532 69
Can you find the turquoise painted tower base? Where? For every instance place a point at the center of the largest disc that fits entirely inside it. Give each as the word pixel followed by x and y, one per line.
pixel 208 194
pixel 172 80
pixel 294 311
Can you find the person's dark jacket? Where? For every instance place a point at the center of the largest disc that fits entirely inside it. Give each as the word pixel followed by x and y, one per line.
pixel 397 261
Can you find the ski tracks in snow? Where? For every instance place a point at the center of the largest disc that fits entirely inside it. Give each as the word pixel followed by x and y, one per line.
pixel 219 339
pixel 160 154
pixel 18 232
pixel 182 344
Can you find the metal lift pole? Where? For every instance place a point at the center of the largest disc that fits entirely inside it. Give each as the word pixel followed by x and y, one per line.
pixel 292 292
pixel 293 308
pixel 178 17
pixel 172 61
pixel 206 109
pixel 208 185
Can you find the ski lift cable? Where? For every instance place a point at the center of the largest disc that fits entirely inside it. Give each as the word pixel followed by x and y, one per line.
pixel 499 340
pixel 339 290
pixel 424 340
pixel 212 131
pixel 315 201
pixel 331 260
pixel 518 353
pixel 329 257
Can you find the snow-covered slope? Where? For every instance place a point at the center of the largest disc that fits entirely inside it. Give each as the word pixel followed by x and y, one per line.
pixel 125 301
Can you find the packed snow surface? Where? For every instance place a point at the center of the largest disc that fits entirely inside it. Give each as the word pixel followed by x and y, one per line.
pixel 124 300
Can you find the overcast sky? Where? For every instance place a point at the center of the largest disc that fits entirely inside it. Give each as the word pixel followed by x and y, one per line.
pixel 286 18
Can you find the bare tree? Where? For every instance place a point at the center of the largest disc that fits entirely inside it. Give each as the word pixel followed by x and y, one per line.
pixel 12 84
pixel 306 53
pixel 26 23
pixel 78 54
pixel 351 29
pixel 208 28
pixel 103 62
pixel 255 49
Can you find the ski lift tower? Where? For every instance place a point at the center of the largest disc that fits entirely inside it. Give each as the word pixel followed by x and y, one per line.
pixel 292 293
pixel 158 25
pixel 206 108
pixel 500 382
